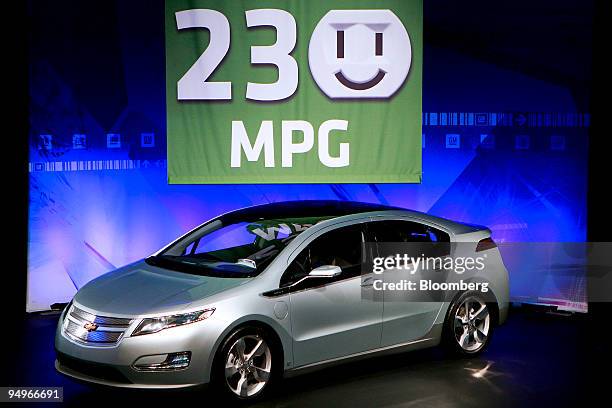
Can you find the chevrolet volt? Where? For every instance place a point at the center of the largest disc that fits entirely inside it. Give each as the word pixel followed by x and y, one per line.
pixel 270 291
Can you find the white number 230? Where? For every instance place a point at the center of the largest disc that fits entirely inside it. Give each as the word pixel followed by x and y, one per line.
pixel 194 85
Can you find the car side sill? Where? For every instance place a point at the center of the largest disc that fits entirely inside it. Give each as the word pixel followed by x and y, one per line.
pixel 392 349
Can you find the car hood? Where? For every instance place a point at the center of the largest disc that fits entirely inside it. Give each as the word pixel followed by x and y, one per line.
pixel 140 289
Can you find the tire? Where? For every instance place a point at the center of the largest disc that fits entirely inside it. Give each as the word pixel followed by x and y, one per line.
pixel 246 366
pixel 468 335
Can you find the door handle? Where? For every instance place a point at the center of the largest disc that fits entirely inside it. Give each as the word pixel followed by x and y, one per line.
pixel 366 282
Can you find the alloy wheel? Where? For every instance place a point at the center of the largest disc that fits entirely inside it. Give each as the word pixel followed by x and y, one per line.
pixel 472 324
pixel 248 365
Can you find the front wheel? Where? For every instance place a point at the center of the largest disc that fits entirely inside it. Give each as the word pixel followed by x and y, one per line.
pixel 245 366
pixel 469 325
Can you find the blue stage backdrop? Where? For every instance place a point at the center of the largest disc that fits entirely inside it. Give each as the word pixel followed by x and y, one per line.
pixel 502 147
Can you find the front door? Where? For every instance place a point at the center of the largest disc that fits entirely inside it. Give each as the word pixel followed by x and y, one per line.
pixel 329 317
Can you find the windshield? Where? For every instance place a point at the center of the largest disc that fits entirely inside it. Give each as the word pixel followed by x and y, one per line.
pixel 236 249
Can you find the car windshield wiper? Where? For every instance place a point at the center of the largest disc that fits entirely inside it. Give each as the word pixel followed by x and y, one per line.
pixel 187 260
pixel 169 259
pixel 195 268
pixel 205 256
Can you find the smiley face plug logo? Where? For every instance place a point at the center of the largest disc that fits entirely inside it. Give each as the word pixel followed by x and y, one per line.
pixel 359 54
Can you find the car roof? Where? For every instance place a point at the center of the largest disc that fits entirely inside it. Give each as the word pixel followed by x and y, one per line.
pixel 335 209
pixel 305 208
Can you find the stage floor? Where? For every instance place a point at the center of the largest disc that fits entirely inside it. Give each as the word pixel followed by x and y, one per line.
pixel 535 359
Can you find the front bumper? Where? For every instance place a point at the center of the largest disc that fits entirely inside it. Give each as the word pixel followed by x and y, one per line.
pixel 106 379
pixel 114 365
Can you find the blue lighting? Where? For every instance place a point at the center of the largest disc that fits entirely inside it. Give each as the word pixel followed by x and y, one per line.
pixel 99 196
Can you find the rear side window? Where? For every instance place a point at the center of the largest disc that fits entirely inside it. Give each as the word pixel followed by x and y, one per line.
pixel 410 232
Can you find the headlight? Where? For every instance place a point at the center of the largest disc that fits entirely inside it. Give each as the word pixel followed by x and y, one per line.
pixel 155 324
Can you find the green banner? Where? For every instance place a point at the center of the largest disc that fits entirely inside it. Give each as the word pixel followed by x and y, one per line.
pixel 317 91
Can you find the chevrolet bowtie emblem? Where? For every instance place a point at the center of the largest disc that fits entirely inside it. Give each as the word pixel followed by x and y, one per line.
pixel 90 326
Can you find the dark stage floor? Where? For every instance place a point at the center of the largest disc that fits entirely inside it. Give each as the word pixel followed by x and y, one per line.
pixel 536 359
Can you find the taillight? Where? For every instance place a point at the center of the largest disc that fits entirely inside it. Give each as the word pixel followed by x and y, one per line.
pixel 484 244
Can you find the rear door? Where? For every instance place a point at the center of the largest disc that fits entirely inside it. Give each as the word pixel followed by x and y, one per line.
pixel 406 317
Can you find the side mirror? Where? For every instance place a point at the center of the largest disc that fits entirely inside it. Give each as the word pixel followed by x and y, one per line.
pixel 325 271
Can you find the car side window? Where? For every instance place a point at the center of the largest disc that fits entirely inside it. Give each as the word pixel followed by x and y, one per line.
pixel 410 232
pixel 340 247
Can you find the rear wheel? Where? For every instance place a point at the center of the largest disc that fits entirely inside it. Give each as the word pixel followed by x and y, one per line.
pixel 469 324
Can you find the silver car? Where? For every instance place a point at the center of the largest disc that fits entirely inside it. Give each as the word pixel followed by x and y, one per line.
pixel 271 291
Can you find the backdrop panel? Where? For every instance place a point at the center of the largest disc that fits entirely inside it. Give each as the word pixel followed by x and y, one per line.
pixel 501 145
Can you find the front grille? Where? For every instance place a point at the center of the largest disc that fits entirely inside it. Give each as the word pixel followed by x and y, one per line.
pixel 108 331
pixel 78 331
pixel 100 320
pixel 89 369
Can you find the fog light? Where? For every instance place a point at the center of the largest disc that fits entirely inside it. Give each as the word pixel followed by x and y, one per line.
pixel 173 361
